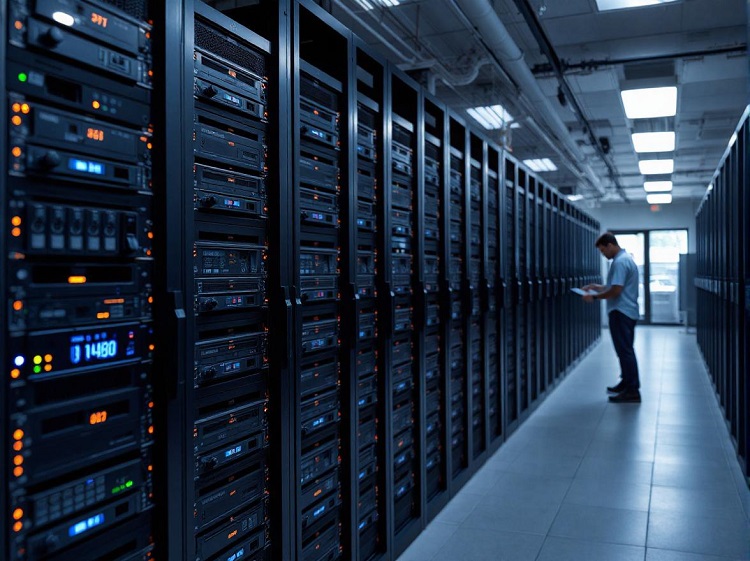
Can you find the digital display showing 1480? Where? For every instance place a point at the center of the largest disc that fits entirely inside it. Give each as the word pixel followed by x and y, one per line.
pixel 53 353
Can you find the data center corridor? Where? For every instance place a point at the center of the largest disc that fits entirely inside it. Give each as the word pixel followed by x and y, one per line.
pixel 583 479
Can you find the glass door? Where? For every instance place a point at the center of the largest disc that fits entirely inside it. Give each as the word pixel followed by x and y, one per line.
pixel 665 247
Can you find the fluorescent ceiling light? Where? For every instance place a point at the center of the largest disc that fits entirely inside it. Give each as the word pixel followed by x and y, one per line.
pixel 605 5
pixel 657 186
pixel 647 103
pixel 543 164
pixel 653 141
pixel 372 4
pixel 653 167
pixel 659 199
pixel 575 198
pixel 491 117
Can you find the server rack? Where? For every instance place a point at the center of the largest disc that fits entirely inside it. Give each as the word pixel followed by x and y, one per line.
pixel 437 313
pixel 477 236
pixel 460 303
pixel 403 200
pixel 510 315
pixel 724 296
pixel 522 314
pixel 78 277
pixel 493 294
pixel 371 411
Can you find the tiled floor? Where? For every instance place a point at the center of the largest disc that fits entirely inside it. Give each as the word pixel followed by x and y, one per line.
pixel 583 479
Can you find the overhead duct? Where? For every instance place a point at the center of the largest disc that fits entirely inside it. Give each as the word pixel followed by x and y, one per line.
pixel 482 16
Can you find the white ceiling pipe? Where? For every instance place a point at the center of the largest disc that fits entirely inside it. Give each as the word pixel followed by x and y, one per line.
pixel 484 18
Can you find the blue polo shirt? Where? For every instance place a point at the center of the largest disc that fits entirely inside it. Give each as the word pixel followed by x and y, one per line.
pixel 624 272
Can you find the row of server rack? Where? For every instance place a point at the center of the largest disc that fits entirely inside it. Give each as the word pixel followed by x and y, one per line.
pixel 265 297
pixel 723 284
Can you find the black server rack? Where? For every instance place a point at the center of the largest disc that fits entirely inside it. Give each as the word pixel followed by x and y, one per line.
pixel 436 325
pixel 371 406
pixel 724 296
pixel 459 306
pixel 493 298
pixel 78 278
pixel 477 368
pixel 325 264
pixel 227 228
pixel 511 295
pixel 547 279
pixel 523 374
pixel 532 325
pixel 403 171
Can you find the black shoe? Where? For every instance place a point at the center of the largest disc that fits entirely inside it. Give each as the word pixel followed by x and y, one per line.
pixel 618 388
pixel 627 396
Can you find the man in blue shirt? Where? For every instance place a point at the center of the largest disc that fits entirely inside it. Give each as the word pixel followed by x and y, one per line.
pixel 621 294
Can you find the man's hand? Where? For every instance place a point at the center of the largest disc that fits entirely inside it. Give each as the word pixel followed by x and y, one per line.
pixel 597 287
pixel 588 297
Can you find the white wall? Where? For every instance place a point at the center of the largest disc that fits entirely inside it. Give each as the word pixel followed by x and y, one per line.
pixel 638 216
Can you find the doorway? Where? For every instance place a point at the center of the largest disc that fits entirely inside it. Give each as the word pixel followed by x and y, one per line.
pixel 657 255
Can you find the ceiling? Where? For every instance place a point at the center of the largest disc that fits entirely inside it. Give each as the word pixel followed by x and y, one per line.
pixel 698 45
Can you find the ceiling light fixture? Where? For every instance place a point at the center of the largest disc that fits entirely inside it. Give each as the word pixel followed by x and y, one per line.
pixel 371 5
pixel 574 198
pixel 654 141
pixel 657 186
pixel 606 5
pixel 659 199
pixel 491 117
pixel 654 167
pixel 649 103
pixel 539 165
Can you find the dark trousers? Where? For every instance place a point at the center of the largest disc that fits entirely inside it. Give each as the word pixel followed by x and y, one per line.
pixel 622 329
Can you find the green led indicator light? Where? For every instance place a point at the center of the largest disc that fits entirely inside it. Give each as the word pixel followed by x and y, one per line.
pixel 122 487
pixel 22 77
pixel 37 369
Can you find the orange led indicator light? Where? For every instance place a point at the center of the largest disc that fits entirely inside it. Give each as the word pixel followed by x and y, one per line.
pixel 17 460
pixel 16 107
pixel 150 299
pixel 47 358
pixel 150 235
pixel 17 434
pixel 18 25
pixel 151 429
pixel 99 19
pixel 102 315
pixel 18 514
pixel 17 446
pixel 18 472
pixel 77 279
pixel 16 151
pixel 18 305
pixel 150 404
pixel 232 534
pixel 16 120
pixel 48 368
pixel 15 373
pixel 15 232
pixel 95 104
pixel 25 108
pixel 114 301
pixel 150 468
pixel 16 221
pixel 151 347
pixel 18 526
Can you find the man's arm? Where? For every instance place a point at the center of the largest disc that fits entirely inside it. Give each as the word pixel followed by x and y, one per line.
pixel 612 292
pixel 597 287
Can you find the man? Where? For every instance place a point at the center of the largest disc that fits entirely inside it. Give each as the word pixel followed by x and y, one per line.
pixel 621 294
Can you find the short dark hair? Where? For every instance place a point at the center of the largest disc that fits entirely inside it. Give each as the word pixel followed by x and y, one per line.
pixel 605 239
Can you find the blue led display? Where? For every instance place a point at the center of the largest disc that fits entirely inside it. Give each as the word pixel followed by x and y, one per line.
pixel 86 166
pixel 86 524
